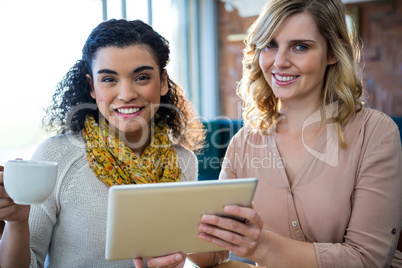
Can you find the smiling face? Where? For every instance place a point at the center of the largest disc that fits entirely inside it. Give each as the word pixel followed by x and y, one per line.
pixel 294 61
pixel 127 86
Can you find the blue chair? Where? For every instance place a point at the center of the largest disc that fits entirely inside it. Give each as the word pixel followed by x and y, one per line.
pixel 218 136
pixel 398 121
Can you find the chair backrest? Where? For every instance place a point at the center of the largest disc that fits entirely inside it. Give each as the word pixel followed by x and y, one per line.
pixel 398 122
pixel 218 135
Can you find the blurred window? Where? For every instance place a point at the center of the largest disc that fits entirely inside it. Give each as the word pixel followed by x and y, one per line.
pixel 42 39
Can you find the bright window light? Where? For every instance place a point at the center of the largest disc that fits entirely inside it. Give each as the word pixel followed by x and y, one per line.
pixel 41 40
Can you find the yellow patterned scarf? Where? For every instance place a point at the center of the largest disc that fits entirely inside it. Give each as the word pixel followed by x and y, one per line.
pixel 114 163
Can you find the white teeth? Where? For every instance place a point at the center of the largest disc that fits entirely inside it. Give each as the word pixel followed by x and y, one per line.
pixel 285 78
pixel 128 111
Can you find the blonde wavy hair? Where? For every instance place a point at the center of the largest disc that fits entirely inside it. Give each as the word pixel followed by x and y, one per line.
pixel 341 80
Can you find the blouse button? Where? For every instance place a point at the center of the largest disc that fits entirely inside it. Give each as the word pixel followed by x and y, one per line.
pixel 294 223
pixel 393 231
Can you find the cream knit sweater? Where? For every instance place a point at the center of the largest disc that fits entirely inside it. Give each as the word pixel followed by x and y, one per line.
pixel 69 228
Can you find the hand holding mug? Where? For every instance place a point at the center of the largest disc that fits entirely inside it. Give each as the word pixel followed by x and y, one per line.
pixel 9 211
pixel 29 182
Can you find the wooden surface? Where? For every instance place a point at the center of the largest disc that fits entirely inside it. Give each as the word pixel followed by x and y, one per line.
pixel 234 264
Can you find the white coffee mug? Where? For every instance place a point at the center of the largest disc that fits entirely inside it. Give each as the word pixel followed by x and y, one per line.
pixel 29 182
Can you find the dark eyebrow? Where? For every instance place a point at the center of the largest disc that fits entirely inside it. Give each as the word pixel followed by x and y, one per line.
pixel 142 68
pixel 106 71
pixel 137 70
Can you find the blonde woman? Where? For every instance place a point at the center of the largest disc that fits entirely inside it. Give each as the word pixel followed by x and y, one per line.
pixel 329 169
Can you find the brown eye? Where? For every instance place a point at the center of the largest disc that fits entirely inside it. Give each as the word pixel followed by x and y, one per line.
pixel 142 78
pixel 108 80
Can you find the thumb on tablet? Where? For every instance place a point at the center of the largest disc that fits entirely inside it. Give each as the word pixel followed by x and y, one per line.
pixel 138 263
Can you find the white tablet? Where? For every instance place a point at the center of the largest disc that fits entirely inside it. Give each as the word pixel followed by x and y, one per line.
pixel 157 219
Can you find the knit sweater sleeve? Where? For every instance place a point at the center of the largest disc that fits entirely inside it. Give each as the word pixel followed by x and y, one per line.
pixel 188 163
pixel 62 151
pixel 55 233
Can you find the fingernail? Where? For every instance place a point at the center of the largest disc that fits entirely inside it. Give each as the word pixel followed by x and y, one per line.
pixel 205 218
pixel 178 257
pixel 228 208
pixel 202 228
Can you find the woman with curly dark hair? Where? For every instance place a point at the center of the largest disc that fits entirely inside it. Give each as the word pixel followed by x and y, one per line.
pixel 71 102
pixel 122 121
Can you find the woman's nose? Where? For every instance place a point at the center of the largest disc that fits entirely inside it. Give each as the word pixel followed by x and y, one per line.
pixel 282 59
pixel 127 91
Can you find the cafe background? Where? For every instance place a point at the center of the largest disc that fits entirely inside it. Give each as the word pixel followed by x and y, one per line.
pixel 42 39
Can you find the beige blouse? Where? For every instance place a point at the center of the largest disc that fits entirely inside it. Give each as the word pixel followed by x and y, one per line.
pixel 348 202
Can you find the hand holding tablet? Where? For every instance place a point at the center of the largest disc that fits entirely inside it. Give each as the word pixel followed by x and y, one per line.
pixel 162 218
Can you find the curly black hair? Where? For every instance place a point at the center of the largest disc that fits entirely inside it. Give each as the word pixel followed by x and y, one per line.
pixel 72 101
